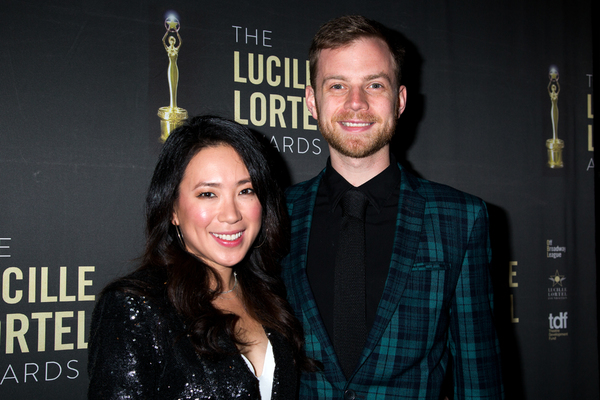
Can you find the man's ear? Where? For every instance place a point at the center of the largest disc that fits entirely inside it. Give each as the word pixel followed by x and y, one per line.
pixel 401 99
pixel 310 101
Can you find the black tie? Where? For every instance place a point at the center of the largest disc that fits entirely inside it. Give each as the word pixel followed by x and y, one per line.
pixel 349 320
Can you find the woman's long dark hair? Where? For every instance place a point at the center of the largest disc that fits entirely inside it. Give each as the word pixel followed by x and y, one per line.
pixel 187 278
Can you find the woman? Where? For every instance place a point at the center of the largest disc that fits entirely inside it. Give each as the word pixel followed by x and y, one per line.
pixel 205 313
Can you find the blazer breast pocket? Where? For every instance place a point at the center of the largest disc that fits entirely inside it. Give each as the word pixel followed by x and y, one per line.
pixel 430 266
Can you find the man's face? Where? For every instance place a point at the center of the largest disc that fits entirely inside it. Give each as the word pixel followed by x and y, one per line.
pixel 356 99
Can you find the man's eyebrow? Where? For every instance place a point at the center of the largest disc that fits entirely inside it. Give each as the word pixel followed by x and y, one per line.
pixel 377 76
pixel 367 78
pixel 334 77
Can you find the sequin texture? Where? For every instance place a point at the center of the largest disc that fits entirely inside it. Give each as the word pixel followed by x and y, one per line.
pixel 138 350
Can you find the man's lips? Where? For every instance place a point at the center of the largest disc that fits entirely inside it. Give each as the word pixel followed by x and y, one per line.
pixel 356 120
pixel 350 124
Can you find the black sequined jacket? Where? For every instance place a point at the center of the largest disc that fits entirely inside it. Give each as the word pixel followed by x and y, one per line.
pixel 138 350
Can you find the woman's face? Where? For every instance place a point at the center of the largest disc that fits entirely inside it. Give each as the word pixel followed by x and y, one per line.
pixel 217 209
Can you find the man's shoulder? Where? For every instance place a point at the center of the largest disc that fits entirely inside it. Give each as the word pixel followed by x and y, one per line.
pixel 439 192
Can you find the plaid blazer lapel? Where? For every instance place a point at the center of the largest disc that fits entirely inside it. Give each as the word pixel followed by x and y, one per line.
pixel 301 202
pixel 409 222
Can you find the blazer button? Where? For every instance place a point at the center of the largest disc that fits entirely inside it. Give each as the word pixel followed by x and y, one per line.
pixel 349 394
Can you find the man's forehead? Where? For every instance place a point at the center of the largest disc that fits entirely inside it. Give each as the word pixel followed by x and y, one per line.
pixel 376 45
pixel 359 42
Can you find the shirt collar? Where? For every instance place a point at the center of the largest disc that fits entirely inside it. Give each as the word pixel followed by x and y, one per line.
pixel 378 189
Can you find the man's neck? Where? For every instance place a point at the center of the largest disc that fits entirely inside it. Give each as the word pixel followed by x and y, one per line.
pixel 360 170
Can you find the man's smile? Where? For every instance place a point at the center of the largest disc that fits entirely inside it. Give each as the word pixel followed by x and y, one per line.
pixel 356 124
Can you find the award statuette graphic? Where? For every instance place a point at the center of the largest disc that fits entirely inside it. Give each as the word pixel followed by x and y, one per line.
pixel 554 145
pixel 172 116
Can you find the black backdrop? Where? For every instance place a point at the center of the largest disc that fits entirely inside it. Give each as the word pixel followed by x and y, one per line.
pixel 80 84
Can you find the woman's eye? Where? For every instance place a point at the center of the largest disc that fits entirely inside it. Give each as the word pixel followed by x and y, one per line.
pixel 206 194
pixel 247 191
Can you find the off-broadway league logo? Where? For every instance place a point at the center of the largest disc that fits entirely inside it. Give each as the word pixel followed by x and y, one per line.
pixel 558 325
pixel 558 291
pixel 554 251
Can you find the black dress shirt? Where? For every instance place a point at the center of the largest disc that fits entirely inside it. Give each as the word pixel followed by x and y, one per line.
pixel 383 192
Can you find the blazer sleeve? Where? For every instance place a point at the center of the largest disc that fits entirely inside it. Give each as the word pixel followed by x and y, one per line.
pixel 473 341
pixel 124 351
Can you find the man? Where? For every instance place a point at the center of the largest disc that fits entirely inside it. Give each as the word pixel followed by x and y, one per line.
pixel 424 292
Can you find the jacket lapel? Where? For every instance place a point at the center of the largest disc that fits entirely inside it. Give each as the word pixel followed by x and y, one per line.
pixel 301 209
pixel 409 222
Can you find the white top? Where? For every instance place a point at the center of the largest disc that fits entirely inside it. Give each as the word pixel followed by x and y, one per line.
pixel 265 381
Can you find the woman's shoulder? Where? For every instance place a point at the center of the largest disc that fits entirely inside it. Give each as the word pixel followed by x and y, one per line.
pixel 143 291
pixel 131 335
pixel 148 282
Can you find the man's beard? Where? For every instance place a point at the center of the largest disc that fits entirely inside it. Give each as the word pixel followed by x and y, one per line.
pixel 359 145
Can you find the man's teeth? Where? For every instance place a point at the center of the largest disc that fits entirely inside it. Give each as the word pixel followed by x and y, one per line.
pixel 356 124
pixel 228 237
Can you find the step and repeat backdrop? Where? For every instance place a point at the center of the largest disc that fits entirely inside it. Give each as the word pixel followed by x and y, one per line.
pixel 500 104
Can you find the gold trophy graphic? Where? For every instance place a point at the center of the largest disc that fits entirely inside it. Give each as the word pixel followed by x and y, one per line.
pixel 554 145
pixel 172 116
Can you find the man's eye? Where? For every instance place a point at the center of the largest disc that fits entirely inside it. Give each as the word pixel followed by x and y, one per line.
pixel 376 85
pixel 337 86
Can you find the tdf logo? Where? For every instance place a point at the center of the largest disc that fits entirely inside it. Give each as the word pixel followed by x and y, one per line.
pixel 559 322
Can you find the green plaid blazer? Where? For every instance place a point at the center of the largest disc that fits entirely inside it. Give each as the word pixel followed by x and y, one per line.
pixel 436 304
